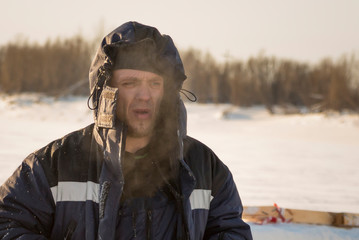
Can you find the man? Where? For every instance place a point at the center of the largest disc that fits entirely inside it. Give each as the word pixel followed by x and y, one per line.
pixel 134 173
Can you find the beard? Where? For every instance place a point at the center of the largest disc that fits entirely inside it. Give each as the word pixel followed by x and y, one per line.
pixel 161 166
pixel 144 177
pixel 140 129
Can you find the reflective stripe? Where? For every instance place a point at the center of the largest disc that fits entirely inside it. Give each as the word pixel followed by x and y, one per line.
pixel 82 191
pixel 200 199
pixel 76 191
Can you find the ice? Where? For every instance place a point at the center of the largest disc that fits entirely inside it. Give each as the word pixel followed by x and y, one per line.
pixel 298 161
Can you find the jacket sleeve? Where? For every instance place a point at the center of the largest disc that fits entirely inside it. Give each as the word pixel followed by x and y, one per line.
pixel 26 203
pixel 225 214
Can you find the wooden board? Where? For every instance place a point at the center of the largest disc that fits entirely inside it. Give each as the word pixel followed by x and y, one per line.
pixel 347 220
pixel 274 214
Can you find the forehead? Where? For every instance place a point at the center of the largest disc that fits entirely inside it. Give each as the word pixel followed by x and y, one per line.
pixel 125 74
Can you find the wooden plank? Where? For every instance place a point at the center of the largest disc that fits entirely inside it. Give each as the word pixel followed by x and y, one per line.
pixel 273 214
pixel 347 220
pixel 258 214
pixel 311 217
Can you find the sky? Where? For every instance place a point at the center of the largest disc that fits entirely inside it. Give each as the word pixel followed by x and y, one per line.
pixel 302 30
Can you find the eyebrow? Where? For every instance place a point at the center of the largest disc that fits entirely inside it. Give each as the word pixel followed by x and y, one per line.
pixel 130 78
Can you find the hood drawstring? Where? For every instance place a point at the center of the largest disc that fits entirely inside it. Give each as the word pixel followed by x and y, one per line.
pixel 103 76
pixel 192 99
pixel 94 94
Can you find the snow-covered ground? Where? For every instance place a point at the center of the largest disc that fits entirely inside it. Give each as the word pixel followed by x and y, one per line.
pixel 297 161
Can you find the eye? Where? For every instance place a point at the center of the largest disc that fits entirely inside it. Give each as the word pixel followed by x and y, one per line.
pixel 156 84
pixel 128 83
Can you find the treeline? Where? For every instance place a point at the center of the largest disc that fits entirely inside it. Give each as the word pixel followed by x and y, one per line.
pixel 61 67
pixel 328 85
pixel 50 68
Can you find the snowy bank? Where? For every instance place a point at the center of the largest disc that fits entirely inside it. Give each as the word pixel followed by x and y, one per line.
pixel 298 161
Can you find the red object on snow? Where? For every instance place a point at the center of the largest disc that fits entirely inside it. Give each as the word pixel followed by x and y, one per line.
pixel 279 219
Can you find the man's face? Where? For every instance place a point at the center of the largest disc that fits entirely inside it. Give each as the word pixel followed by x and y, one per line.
pixel 139 97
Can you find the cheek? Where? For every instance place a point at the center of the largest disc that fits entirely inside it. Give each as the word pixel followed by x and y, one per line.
pixel 159 96
pixel 158 101
pixel 121 106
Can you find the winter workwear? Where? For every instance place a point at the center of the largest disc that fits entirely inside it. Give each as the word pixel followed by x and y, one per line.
pixel 73 187
pixel 67 190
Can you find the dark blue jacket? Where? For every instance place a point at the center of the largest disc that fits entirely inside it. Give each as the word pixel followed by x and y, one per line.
pixel 67 190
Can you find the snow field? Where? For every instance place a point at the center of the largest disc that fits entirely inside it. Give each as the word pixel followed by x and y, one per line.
pixel 298 161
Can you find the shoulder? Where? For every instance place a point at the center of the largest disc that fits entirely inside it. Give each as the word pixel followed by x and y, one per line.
pixel 209 170
pixel 67 143
pixel 191 143
pixel 198 152
pixel 65 156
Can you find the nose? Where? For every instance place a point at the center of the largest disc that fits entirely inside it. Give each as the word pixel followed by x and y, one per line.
pixel 143 93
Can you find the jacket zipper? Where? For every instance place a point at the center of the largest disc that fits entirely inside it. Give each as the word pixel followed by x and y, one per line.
pixel 149 225
pixel 70 229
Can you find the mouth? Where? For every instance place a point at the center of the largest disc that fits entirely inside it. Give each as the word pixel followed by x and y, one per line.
pixel 142 113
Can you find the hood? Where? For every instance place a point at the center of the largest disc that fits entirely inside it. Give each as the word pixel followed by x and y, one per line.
pixel 165 57
pixel 111 134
